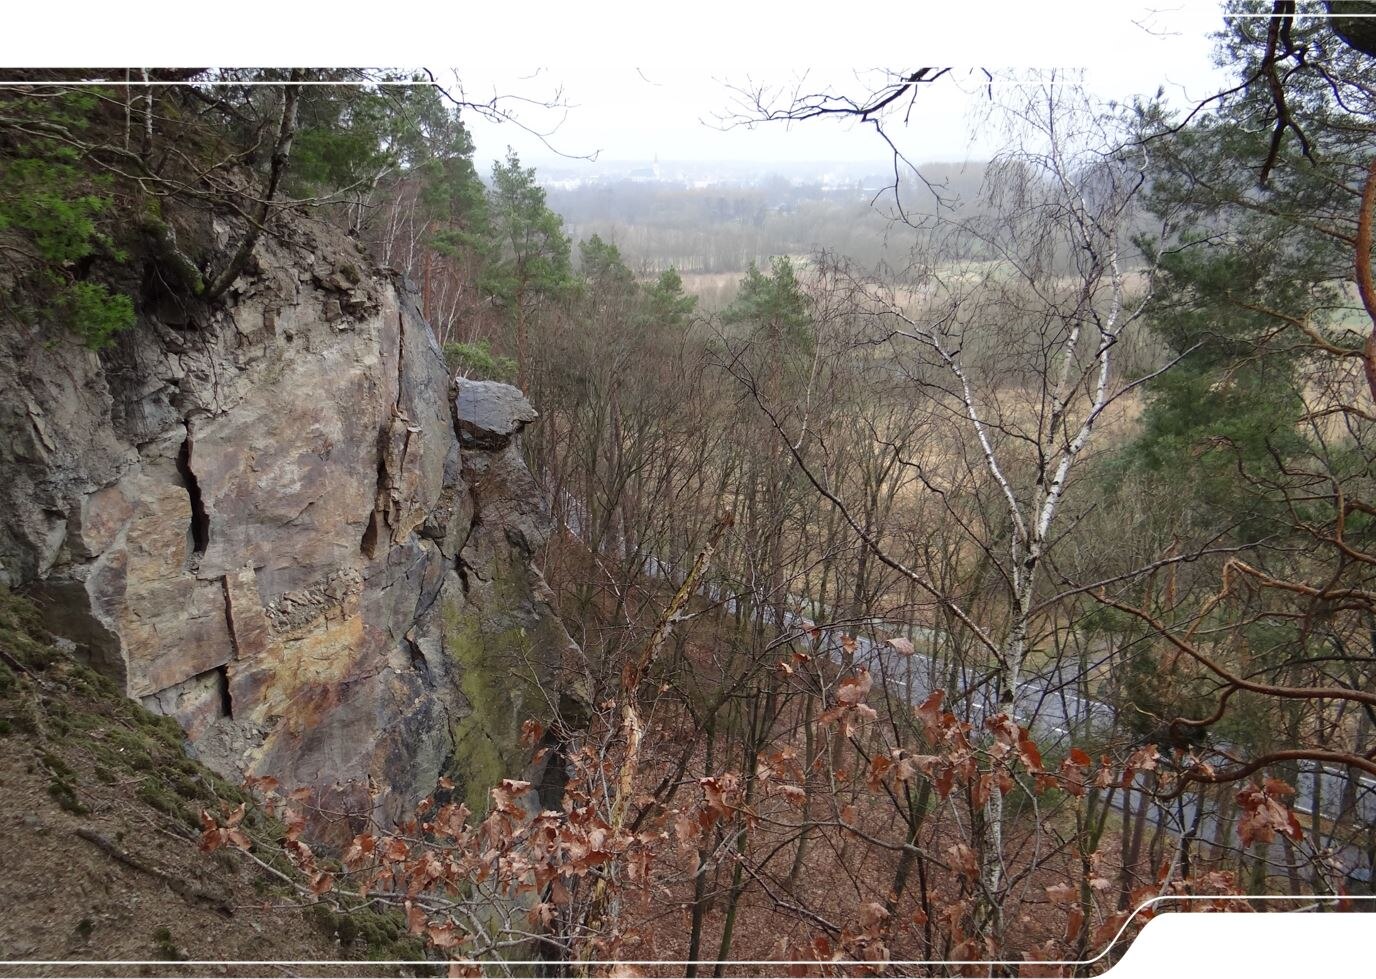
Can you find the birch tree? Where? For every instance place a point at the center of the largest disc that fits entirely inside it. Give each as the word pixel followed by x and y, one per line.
pixel 1008 321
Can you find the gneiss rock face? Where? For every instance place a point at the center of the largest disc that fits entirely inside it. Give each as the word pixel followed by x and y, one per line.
pixel 263 523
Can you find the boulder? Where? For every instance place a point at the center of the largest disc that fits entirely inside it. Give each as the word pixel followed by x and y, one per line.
pixel 490 413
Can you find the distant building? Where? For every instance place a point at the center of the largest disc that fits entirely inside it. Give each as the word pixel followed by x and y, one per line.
pixel 646 174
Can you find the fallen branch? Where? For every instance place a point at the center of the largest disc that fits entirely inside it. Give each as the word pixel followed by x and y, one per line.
pixel 179 886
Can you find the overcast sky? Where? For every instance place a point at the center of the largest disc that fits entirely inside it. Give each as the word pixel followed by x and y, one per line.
pixel 634 102
pixel 628 113
pixel 647 78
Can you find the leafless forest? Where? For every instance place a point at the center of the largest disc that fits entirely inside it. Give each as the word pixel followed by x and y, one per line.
pixel 965 563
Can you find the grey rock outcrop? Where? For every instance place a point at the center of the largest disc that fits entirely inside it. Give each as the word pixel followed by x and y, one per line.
pixel 260 520
pixel 490 414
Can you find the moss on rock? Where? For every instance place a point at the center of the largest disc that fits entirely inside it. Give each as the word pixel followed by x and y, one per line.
pixel 487 739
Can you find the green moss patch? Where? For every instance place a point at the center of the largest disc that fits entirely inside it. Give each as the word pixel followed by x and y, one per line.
pixel 491 668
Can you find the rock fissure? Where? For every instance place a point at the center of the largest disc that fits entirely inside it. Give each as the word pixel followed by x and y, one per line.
pixel 461 570
pixel 198 532
pixel 226 699
pixel 418 662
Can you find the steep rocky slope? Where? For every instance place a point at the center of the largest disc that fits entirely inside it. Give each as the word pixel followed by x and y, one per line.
pixel 258 517
pixel 99 823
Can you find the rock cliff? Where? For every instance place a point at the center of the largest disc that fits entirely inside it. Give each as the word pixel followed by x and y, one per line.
pixel 274 520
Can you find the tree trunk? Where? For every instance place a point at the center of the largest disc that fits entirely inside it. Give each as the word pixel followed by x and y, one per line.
pixel 281 154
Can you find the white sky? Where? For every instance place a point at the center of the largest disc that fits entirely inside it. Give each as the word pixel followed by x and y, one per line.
pixel 646 78
pixel 643 86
